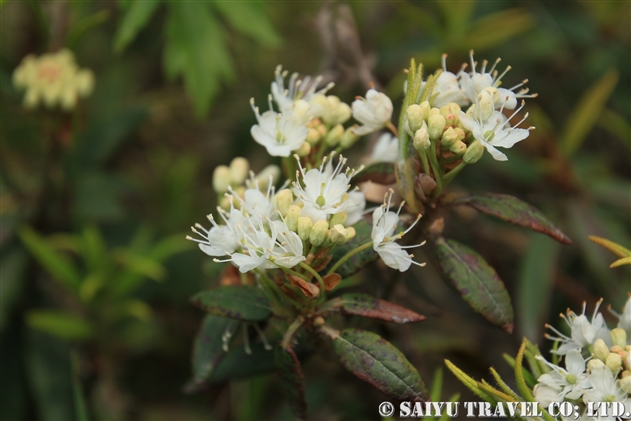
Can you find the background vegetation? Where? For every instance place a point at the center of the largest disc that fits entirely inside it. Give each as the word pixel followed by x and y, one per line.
pixel 96 273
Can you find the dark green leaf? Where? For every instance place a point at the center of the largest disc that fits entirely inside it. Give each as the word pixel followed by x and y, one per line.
pixel 477 282
pixel 13 264
pixel 360 260
pixel 380 173
pixel 80 405
pixel 249 18
pixel 367 306
pixel 515 211
pixel 376 361
pixel 136 17
pixel 80 28
pixel 238 364
pixel 60 324
pixel 240 302
pixel 292 380
pixel 208 347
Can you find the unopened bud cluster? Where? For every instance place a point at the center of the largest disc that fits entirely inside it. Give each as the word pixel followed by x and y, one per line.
pixel 237 177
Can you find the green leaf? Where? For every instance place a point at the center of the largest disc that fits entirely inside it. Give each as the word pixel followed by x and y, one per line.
pixel 208 347
pixel 615 248
pixel 496 28
pixel 80 405
pixel 376 361
pixel 380 173
pixel 13 267
pixel 93 249
pixel 83 26
pixel 586 112
pixel 55 263
pixel 365 305
pixel 358 261
pixel 249 18
pixel 477 282
pixel 136 17
pixel 238 364
pixel 292 380
pixel 241 302
pixel 513 210
pixel 60 324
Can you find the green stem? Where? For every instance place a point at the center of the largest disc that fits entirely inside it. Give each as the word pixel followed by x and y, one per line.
pixel 348 256
pixel 436 170
pixel 317 276
pixel 291 331
pixel 423 156
pixel 273 293
pixel 452 174
pixel 294 273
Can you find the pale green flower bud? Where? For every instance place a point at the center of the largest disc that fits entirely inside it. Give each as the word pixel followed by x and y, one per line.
pixel 449 138
pixel 304 150
pixel 269 173
pixel 293 213
pixel 421 139
pixel 433 111
pixel 313 136
pixel 625 382
pixel 284 199
pixel 221 179
pixel 614 362
pixel 460 133
pixel 486 103
pixel 317 236
pixel 450 112
pixel 334 136
pixel 304 227
pixel 601 350
pixel 300 108
pixel 348 139
pixel 415 117
pixel 350 233
pixel 224 203
pixel 426 109
pixel 435 125
pixel 493 92
pixel 594 364
pixel 619 337
pixel 239 170
pixel 458 147
pixel 338 218
pixel 337 234
pixel 474 153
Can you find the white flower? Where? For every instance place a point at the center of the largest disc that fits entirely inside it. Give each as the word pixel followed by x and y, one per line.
pixel 386 149
pixel 584 333
pixel 220 240
pixel 572 381
pixel 624 319
pixel 374 112
pixel 324 190
pixel 297 89
pixel 384 223
pixel 356 205
pixel 279 133
pixel 494 131
pixel 287 250
pixel 606 389
pixel 545 394
pixel 448 88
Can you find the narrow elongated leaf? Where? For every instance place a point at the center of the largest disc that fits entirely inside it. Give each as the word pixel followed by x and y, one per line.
pixel 378 362
pixel 496 28
pixel 292 380
pixel 208 346
pixel 367 306
pixel 380 173
pixel 360 260
pixel 515 211
pixel 241 302
pixel 615 248
pixel 136 17
pixel 477 282
pixel 60 324
pixel 249 18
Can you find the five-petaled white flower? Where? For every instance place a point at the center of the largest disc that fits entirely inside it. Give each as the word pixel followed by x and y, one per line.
pixel 279 133
pixel 447 88
pixel 297 89
pixel 374 112
pixel 221 240
pixel 384 223
pixel 571 381
pixel 624 319
pixel 606 388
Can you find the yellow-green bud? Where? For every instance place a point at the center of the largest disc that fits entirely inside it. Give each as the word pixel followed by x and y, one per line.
pixel 313 136
pixel 474 153
pixel 348 139
pixel 449 138
pixel 433 111
pixel 293 213
pixel 239 170
pixel 421 139
pixel 338 218
pixel 451 112
pixel 619 337
pixel 601 350
pixel 332 110
pixel 350 233
pixel 304 227
pixel 625 383
pixel 460 133
pixel 225 203
pixel 284 199
pixel 486 104
pixel 458 147
pixel 321 129
pixel 426 108
pixel 263 177
pixel 317 236
pixel 337 234
pixel 493 92
pixel 221 179
pixel 594 364
pixel 415 117
pixel 614 362
pixel 300 108
pixel 304 150
pixel 334 136
pixel 435 125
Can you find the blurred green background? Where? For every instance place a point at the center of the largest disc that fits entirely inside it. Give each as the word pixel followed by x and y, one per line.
pixel 96 274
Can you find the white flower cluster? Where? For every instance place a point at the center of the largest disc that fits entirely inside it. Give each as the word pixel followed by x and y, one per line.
pixel 597 362
pixel 54 79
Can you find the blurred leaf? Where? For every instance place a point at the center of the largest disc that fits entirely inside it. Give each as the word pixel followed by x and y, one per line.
pixel 169 246
pixel 365 305
pixel 497 28
pixel 195 48
pixel 12 270
pixel 80 28
pixel 582 119
pixel 620 262
pixel 292 380
pixel 56 264
pixel 60 324
pixel 208 347
pixel 141 265
pixel 250 19
pixel 79 399
pixel 535 285
pixel 616 249
pixel 98 197
pixel 238 364
pixel 477 282
pixel 241 302
pixel 15 395
pixel 615 124
pixel 376 361
pixel 136 17
pixel 93 249
pixel 380 173
pixel 360 260
pixel 513 210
